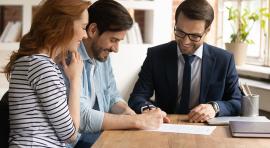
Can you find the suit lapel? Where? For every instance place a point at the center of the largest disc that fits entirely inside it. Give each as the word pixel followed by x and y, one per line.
pixel 171 71
pixel 208 64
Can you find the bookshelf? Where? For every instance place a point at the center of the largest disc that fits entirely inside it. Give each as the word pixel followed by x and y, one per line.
pixel 27 6
pixel 157 19
pixel 157 28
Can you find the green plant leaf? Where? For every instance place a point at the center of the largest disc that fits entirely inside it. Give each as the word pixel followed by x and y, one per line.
pixel 242 25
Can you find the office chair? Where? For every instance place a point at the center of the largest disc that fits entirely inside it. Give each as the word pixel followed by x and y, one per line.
pixel 4 124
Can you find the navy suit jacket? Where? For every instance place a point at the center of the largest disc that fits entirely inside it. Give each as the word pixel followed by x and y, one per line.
pixel 219 80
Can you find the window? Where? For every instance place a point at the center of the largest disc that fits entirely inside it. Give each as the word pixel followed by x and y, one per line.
pixel 257 53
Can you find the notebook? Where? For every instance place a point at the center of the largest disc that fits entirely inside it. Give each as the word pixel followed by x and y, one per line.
pixel 225 120
pixel 249 129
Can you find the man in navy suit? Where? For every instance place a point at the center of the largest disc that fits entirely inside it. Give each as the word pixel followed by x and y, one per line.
pixel 187 75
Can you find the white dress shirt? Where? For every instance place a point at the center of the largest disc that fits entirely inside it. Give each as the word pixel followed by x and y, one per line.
pixel 195 76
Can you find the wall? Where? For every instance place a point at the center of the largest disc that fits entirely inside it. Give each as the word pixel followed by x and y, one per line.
pixel 212 35
pixel 126 66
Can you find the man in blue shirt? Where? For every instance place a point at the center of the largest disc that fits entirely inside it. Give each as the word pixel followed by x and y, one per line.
pixel 102 107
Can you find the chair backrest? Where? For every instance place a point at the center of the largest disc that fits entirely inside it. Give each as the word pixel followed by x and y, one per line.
pixel 4 124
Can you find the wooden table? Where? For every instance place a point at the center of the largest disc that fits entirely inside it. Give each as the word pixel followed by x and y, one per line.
pixel 220 138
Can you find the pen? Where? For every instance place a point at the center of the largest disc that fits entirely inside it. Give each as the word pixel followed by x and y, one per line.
pixel 150 107
pixel 147 107
pixel 243 89
pixel 248 90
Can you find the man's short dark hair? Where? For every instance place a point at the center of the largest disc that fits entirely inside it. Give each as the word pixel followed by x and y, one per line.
pixel 109 15
pixel 196 10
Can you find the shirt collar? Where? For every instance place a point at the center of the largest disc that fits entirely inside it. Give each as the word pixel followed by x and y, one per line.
pixel 84 54
pixel 197 53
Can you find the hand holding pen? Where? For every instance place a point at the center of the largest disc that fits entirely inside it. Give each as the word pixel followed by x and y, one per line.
pixel 149 108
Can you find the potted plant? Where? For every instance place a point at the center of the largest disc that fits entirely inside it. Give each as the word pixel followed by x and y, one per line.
pixel 242 24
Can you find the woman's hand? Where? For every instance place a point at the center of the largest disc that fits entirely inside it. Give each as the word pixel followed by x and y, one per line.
pixel 74 70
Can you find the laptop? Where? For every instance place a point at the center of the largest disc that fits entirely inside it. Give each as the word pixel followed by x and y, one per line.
pixel 226 119
pixel 249 129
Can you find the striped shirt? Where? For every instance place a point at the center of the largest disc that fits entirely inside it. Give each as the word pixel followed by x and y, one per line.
pixel 39 115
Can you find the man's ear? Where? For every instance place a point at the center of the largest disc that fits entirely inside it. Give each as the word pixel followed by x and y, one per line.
pixel 207 29
pixel 92 30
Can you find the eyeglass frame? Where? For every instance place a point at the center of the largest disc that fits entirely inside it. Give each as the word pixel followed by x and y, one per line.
pixel 188 34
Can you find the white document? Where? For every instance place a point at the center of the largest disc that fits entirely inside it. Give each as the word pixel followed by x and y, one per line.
pixel 189 129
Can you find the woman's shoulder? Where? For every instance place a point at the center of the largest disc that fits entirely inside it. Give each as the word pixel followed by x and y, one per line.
pixel 39 63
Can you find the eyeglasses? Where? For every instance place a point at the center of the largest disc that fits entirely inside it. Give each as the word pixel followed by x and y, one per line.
pixel 191 36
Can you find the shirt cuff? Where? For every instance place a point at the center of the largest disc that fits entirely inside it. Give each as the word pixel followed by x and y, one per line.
pixel 147 107
pixel 92 122
pixel 115 101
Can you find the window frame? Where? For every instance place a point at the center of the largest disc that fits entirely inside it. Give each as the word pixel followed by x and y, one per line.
pixel 264 56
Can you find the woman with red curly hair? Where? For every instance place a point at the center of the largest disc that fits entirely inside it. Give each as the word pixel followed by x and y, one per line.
pixel 40 113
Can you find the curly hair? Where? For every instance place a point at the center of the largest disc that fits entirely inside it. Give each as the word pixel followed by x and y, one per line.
pixel 51 30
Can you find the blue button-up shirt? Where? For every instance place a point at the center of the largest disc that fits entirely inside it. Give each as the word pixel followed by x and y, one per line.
pixel 106 92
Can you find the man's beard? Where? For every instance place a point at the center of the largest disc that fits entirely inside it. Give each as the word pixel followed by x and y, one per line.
pixel 97 53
